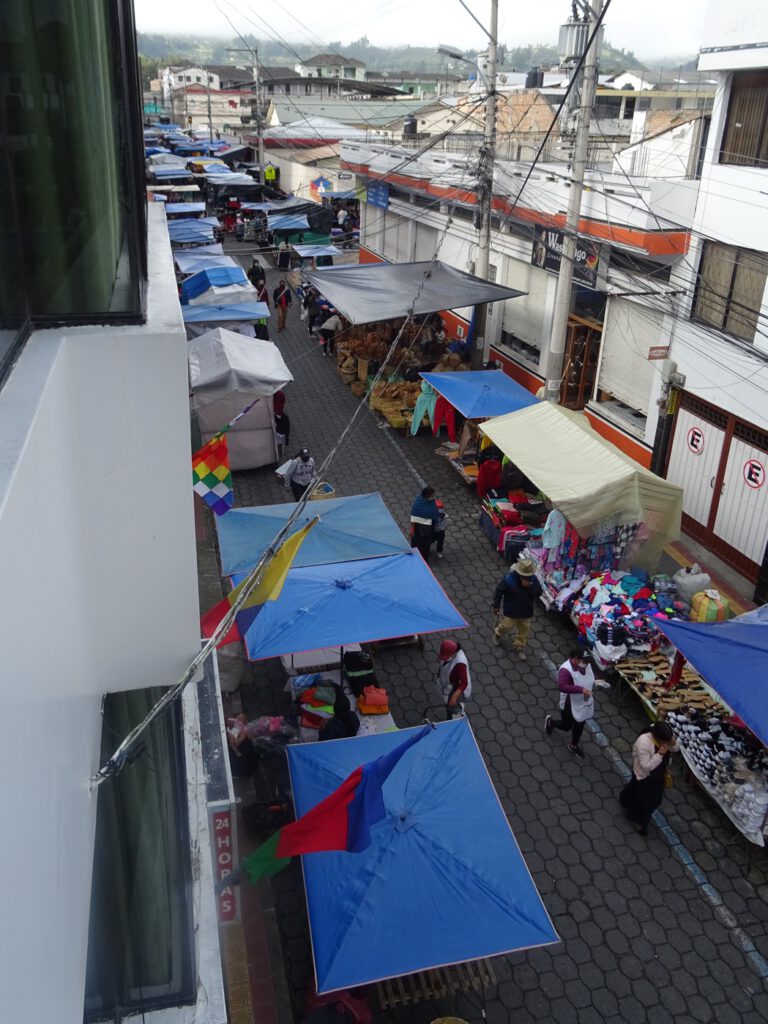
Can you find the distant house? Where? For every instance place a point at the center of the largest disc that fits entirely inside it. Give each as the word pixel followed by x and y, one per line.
pixel 331 65
pixel 218 76
pixel 627 80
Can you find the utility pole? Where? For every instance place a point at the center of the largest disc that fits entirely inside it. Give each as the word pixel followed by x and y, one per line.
pixel 479 354
pixel 257 110
pixel 210 120
pixel 555 353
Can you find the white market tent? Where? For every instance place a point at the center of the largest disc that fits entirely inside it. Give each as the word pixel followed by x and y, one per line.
pixel 227 372
pixel 587 478
pixel 367 292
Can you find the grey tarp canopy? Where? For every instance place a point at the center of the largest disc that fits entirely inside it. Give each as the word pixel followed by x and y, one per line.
pixel 384 291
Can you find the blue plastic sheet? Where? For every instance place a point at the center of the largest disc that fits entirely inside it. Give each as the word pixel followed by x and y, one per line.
pixel 479 394
pixel 288 222
pixel 212 314
pixel 443 881
pixel 184 231
pixel 350 528
pixel 188 208
pixel 216 277
pixel 189 262
pixel 350 602
pixel 731 657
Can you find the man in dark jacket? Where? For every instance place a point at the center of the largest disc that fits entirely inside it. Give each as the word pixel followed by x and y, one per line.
pixel 425 516
pixel 282 298
pixel 515 597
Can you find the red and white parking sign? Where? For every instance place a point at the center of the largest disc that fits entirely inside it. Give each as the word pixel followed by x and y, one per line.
pixel 695 440
pixel 754 473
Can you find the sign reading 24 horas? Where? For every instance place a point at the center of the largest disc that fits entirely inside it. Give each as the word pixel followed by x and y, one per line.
pixel 548 249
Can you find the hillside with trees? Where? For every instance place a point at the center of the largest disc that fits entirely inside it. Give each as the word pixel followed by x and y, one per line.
pixel 156 50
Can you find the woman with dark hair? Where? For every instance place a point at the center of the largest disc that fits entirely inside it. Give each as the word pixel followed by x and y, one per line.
pixel 650 763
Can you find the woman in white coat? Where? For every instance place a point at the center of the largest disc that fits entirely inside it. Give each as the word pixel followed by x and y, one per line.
pixel 575 681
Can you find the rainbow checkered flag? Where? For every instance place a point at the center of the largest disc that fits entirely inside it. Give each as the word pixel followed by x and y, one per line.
pixel 211 476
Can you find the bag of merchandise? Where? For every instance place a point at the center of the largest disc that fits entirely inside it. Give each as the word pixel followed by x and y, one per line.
pixel 689 581
pixel 709 606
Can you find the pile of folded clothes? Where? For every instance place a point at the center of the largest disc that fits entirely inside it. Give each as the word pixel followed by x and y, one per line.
pixel 373 701
pixel 615 610
pixel 315 697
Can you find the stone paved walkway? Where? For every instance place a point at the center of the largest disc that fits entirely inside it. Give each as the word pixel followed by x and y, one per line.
pixel 669 928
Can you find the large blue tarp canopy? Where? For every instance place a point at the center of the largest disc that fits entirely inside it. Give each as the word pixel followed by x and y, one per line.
pixel 443 881
pixel 214 249
pixel 732 658
pixel 161 171
pixel 189 262
pixel 480 394
pixel 288 222
pixel 210 313
pixel 350 528
pixel 350 602
pixel 188 208
pixel 189 231
pixel 215 277
pixel 185 231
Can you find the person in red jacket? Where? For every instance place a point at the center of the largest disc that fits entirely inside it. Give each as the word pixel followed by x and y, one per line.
pixel 282 298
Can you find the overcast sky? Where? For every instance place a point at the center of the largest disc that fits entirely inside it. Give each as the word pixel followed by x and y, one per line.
pixel 652 28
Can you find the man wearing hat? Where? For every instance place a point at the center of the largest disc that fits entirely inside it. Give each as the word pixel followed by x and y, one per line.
pixel 515 597
pixel 300 474
pixel 453 679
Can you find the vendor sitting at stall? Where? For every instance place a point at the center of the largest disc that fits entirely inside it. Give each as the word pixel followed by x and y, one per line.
pixel 344 723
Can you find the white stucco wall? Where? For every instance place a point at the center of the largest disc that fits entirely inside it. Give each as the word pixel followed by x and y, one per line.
pixel 741 25
pixel 98 593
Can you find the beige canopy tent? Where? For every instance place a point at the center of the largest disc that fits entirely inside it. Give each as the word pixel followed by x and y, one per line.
pixel 587 478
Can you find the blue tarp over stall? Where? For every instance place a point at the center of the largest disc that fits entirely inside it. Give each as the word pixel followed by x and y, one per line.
pixel 209 313
pixel 350 528
pixel 732 658
pixel 216 277
pixel 189 231
pixel 187 208
pixel 166 171
pixel 481 394
pixel 288 222
pixel 349 602
pixel 443 881
pixel 189 262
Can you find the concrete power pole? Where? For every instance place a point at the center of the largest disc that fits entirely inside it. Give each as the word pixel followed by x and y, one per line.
pixel 553 360
pixel 479 354
pixel 259 119
pixel 208 96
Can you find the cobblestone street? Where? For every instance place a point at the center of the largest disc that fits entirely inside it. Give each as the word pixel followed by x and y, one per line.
pixel 669 928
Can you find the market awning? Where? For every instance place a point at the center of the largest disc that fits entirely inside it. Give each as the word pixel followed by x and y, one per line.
pixel 481 394
pixel 369 292
pixel 732 658
pixel 213 277
pixel 212 314
pixel 190 231
pixel 586 477
pixel 360 526
pixel 222 363
pixel 443 881
pixel 188 208
pixel 313 251
pixel 189 262
pixel 288 222
pixel 351 602
pixel 213 249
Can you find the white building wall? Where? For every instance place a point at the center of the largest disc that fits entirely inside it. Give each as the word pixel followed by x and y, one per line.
pixel 98 592
pixel 741 24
